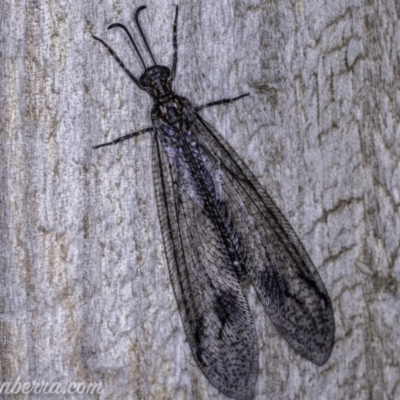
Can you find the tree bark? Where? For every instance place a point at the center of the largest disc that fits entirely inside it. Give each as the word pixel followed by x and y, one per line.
pixel 84 287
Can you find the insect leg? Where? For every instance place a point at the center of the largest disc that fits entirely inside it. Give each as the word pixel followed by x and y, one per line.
pixel 175 44
pixel 222 101
pixel 120 139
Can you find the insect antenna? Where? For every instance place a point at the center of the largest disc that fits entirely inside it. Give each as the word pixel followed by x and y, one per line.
pixel 118 25
pixel 175 45
pixel 141 32
pixel 119 62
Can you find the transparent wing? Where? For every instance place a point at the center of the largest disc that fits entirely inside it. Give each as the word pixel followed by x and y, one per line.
pixel 213 309
pixel 276 262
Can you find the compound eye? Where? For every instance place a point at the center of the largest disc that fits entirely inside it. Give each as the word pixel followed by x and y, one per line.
pixel 166 73
pixel 143 82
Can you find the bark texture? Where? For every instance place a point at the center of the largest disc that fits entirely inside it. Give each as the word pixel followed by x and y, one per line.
pixel 84 287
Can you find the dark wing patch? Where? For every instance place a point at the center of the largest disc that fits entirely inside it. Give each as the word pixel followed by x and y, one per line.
pixel 277 264
pixel 213 308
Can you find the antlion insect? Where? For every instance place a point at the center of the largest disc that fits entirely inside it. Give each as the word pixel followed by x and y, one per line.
pixel 219 229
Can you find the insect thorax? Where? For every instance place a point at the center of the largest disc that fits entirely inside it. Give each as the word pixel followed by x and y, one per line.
pixel 173 116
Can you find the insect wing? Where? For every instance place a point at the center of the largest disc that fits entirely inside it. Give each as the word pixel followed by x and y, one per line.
pixel 277 264
pixel 213 308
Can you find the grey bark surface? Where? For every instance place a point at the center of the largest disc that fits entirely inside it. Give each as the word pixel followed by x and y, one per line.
pixel 84 287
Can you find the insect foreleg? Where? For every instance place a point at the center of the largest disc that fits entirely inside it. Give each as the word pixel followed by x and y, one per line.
pixel 120 139
pixel 222 101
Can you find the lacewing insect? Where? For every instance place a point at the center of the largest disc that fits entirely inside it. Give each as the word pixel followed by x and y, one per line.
pixel 220 228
